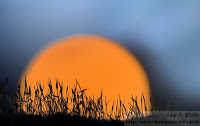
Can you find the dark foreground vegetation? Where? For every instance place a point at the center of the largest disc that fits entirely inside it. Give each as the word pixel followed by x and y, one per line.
pixel 56 120
pixel 33 107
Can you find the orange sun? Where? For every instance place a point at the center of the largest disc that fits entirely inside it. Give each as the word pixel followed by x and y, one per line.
pixel 97 63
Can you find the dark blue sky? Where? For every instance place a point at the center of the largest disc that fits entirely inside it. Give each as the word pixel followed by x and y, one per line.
pixel 164 35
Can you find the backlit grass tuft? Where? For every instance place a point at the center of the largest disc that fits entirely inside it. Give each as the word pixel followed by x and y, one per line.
pixel 76 103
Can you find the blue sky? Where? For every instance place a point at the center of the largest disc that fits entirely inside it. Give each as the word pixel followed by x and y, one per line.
pixel 164 35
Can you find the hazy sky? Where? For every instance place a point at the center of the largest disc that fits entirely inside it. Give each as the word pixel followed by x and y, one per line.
pixel 164 35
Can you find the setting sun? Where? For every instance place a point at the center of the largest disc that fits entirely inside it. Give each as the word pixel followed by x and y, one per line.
pixel 97 63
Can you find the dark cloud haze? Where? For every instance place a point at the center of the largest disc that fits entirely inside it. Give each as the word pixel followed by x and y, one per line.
pixel 164 36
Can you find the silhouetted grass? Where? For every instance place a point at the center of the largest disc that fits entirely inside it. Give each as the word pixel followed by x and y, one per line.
pixel 76 105
pixel 6 99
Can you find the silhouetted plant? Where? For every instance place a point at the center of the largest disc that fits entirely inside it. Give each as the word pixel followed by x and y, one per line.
pixel 38 103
